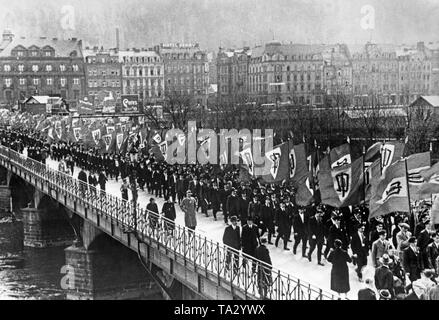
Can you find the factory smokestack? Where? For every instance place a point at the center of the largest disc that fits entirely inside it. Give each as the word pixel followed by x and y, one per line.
pixel 117 39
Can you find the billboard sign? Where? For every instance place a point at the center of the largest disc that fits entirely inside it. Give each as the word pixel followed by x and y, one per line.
pixel 130 103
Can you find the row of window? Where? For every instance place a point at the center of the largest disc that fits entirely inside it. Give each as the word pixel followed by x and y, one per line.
pixel 134 72
pixel 139 83
pixel 94 72
pixel 95 83
pixel 37 81
pixel 141 59
pixel 36 68
pixel 184 69
pixel 95 93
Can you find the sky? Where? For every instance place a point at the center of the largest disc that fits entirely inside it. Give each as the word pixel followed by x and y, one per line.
pixel 225 23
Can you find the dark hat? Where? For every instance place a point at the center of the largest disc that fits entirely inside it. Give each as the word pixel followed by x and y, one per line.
pixel 233 218
pixel 412 240
pixel 382 232
pixel 151 199
pixel 337 243
pixel 263 240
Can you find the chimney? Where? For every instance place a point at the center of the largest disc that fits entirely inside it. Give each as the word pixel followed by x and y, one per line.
pixel 8 36
pixel 117 39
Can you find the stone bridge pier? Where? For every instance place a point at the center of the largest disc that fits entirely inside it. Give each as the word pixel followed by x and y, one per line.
pixel 5 192
pixel 47 223
pixel 99 267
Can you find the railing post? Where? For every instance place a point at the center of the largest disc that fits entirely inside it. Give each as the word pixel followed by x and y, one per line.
pixel 218 263
pixel 279 284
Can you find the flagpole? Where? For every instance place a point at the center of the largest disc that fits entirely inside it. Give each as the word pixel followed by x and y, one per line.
pixel 364 174
pixel 408 186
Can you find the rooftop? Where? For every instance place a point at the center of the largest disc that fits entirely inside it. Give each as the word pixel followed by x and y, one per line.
pixel 63 48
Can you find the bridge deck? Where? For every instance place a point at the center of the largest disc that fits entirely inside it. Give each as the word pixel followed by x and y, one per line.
pixel 284 260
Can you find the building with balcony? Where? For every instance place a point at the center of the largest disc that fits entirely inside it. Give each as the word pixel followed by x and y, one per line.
pixel 143 74
pixel 186 71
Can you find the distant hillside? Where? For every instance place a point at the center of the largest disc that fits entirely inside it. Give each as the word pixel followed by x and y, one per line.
pixel 224 22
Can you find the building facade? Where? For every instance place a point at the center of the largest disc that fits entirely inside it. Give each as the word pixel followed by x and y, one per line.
pixel 103 74
pixel 186 71
pixel 40 66
pixel 287 73
pixel 143 74
pixel 233 67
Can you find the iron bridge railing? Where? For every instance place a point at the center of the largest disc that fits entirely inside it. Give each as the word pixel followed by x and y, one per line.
pixel 254 278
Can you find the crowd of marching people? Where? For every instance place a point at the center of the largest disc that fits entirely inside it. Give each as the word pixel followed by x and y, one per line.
pixel 403 249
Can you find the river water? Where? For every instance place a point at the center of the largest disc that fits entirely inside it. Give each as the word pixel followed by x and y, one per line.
pixel 28 273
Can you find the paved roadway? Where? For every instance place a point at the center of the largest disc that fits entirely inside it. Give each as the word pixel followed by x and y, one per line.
pixel 286 261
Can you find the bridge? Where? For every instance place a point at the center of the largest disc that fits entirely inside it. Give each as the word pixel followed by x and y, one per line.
pixel 118 250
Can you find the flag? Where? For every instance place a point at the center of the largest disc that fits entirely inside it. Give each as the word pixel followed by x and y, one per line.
pixel 119 141
pixel 390 153
pixel 430 183
pixel 372 174
pixel 373 151
pixel 434 213
pixel 416 165
pixel 247 158
pixel 390 194
pixel 340 156
pixel 96 134
pixel 110 129
pixel 77 133
pixel 276 168
pixel 342 186
pixel 305 190
pixel 298 167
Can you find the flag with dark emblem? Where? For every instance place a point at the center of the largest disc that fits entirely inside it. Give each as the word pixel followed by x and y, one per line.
pixel 343 185
pixel 390 194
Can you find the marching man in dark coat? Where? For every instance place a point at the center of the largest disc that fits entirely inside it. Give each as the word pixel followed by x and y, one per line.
pixel 215 199
pixel 383 275
pixel 233 205
pixel 360 249
pixel 168 211
pixel 232 238
pixel 300 228
pixel 250 240
pixel 316 236
pixel 283 225
pixel 339 272
pixel 264 271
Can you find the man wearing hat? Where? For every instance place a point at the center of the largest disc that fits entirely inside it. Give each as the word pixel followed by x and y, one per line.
pixel 316 235
pixel 380 247
pixel 383 275
pixel 249 239
pixel 232 205
pixel 264 271
pixel 412 262
pixel 232 238
pixel 189 207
